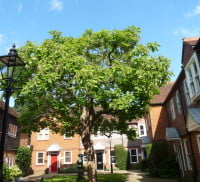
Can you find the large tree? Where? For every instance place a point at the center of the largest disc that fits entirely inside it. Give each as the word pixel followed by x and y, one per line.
pixel 95 82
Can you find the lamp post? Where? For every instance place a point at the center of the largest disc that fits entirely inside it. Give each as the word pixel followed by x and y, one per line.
pixel 111 166
pixel 10 66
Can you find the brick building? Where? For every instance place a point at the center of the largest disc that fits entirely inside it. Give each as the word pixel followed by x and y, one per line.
pixel 13 137
pixel 54 151
pixel 177 117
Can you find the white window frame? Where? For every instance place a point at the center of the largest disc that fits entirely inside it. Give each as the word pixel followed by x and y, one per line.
pixel 178 102
pixel 133 155
pixel 67 138
pixel 172 108
pixel 144 130
pixel 187 93
pixel 185 143
pixel 9 161
pixel 12 130
pixel 37 153
pixel 43 134
pixel 179 155
pixel 112 156
pixel 192 76
pixel 70 162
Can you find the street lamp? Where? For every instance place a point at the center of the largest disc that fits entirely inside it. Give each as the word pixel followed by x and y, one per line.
pixel 111 161
pixel 10 66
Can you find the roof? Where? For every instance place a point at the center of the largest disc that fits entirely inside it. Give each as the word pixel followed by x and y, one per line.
pixel 195 114
pixel 188 48
pixel 164 91
pixel 191 40
pixel 11 110
pixel 172 134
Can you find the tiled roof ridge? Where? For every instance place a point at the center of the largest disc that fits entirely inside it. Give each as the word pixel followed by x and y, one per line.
pixel 11 111
pixel 164 91
pixel 185 39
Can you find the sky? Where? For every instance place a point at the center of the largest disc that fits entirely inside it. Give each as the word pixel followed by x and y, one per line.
pixel 163 21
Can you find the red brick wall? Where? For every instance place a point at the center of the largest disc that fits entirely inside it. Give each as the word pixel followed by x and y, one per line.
pixel 158 122
pixel 72 144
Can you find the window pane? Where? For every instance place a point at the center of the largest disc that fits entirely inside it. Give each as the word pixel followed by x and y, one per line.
pixel 133 152
pixel 67 160
pixel 40 155
pixel 133 159
pixel 40 161
pixel 67 154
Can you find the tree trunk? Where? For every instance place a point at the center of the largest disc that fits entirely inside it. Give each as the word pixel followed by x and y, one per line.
pixel 87 123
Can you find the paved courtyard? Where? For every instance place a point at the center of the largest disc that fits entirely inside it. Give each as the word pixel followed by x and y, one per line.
pixel 137 176
pixel 133 176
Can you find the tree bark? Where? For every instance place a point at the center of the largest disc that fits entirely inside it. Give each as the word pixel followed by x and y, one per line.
pixel 86 121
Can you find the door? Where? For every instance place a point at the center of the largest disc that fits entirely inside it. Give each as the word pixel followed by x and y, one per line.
pixel 54 163
pixel 99 159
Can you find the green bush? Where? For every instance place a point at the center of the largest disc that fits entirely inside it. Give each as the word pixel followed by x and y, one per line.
pixel 71 169
pixel 23 160
pixel 164 165
pixel 11 172
pixel 121 157
pixel 144 164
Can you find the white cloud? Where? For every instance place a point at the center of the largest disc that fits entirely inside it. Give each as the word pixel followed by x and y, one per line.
pixel 19 8
pixel 194 12
pixel 185 32
pixel 56 5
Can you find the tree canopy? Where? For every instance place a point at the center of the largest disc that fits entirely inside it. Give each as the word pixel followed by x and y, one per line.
pixel 63 74
pixel 95 82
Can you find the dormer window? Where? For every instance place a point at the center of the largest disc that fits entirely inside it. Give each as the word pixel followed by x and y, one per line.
pixel 43 134
pixel 192 76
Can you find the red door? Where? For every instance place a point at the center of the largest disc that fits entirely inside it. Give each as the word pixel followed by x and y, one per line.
pixel 54 163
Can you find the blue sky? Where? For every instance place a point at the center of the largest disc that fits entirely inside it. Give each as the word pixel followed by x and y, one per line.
pixel 163 21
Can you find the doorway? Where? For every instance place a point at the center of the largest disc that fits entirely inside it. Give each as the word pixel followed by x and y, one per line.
pixel 99 160
pixel 54 163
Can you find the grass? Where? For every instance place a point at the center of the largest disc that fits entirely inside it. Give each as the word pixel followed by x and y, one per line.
pixel 100 178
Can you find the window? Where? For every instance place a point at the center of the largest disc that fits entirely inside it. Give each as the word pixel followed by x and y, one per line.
pixel 187 94
pixel 12 130
pixel 133 155
pixel 173 114
pixel 9 161
pixel 141 130
pixel 179 155
pixel 67 137
pixel 40 158
pixel 113 157
pixel 192 75
pixel 178 102
pixel 43 134
pixel 187 154
pixel 68 157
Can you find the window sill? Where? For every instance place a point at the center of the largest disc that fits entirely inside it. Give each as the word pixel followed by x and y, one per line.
pixel 67 162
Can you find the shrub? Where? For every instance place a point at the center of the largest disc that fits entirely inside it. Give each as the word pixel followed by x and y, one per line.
pixel 11 172
pixel 71 169
pixel 121 157
pixel 23 159
pixel 6 172
pixel 163 165
pixel 144 164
